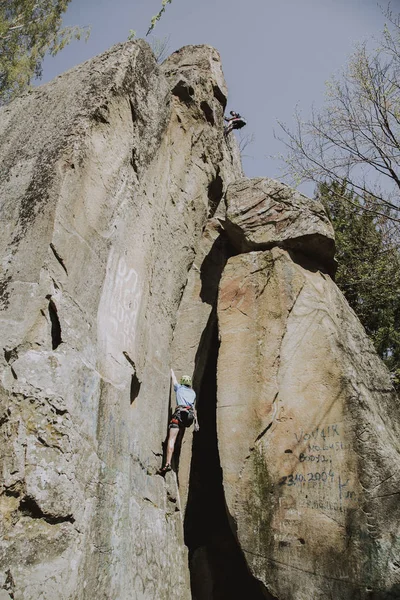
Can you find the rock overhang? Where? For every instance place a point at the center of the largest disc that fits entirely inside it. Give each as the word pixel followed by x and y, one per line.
pixel 262 213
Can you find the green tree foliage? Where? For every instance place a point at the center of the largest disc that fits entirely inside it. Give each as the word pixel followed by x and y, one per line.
pixel 369 268
pixel 28 30
pixel 158 16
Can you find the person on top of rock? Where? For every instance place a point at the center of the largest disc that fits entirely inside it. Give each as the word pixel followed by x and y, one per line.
pixel 184 415
pixel 235 121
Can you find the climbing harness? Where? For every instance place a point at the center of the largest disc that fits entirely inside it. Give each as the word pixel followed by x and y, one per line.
pixel 182 417
pixel 238 123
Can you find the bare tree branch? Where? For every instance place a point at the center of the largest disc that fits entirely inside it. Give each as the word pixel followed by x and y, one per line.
pixel 357 132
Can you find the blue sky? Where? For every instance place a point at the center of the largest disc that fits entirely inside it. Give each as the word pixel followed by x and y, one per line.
pixel 276 54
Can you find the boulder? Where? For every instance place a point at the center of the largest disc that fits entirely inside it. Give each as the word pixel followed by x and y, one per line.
pixel 262 213
pixel 308 430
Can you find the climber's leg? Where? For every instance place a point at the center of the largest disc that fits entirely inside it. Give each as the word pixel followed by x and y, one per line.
pixel 173 434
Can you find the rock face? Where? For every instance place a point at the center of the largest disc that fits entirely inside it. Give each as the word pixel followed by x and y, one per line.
pixel 119 260
pixel 308 433
pixel 108 178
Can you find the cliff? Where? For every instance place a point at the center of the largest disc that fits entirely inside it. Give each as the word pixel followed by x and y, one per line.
pixel 132 243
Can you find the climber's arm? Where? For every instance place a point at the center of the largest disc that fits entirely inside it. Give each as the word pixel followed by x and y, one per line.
pixel 196 422
pixel 174 379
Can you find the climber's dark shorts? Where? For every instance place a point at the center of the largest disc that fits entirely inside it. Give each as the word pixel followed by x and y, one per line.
pixel 238 123
pixel 176 421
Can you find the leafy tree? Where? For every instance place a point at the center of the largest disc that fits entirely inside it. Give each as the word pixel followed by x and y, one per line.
pixel 369 268
pixel 356 135
pixel 158 16
pixel 28 30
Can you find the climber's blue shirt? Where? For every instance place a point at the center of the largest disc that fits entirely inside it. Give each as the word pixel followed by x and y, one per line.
pixel 185 396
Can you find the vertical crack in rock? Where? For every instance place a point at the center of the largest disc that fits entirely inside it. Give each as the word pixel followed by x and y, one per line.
pixel 9 584
pixel 10 356
pixel 135 388
pixel 133 111
pixel 56 338
pixel 135 382
pixel 58 258
pixel 220 96
pixel 215 191
pixel 217 565
pixel 208 112
pixel 134 162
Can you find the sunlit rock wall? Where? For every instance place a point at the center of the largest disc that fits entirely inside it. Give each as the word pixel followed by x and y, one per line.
pixel 108 176
pixel 308 421
pixel 131 242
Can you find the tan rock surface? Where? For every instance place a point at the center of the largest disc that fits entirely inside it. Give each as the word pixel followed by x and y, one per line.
pixel 262 213
pixel 107 181
pixel 308 435
pixel 111 260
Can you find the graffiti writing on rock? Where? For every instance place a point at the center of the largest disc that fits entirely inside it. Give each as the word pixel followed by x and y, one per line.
pixel 317 458
pixel 124 303
pixel 321 476
pixel 327 432
pixel 299 478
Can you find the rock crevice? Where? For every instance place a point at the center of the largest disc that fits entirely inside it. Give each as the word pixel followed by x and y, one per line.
pixel 217 564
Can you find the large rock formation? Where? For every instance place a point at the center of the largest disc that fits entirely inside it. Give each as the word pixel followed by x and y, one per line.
pixel 294 481
pixel 308 429
pixel 119 260
pixel 108 175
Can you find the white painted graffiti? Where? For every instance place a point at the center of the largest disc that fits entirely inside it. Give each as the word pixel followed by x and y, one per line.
pixel 124 303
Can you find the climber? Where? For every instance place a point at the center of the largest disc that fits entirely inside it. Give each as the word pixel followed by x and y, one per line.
pixel 185 414
pixel 234 122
